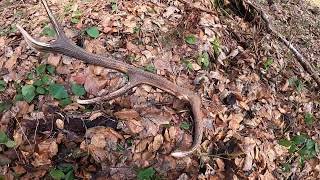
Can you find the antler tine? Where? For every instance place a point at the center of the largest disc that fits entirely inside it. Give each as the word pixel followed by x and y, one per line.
pixel 41 46
pixel 57 27
pixel 109 96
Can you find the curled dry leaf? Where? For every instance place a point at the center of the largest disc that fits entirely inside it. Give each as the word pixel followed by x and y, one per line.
pixel 236 119
pixel 127 114
pixel 142 145
pixel 54 60
pixel 157 142
pixel 46 150
pixel 94 84
pixel 248 149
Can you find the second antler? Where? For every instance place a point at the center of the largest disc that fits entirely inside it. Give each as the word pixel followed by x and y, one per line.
pixel 136 76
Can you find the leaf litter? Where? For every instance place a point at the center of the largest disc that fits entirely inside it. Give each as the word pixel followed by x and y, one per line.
pixel 253 95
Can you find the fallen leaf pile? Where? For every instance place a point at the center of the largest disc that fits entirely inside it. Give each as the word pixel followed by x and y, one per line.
pixel 261 110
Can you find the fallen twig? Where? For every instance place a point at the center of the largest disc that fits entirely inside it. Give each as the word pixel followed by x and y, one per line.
pixel 303 62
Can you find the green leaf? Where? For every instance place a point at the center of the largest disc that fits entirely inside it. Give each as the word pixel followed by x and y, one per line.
pixel 5 106
pixel 30 76
pixel 285 142
pixel 146 174
pixel 65 167
pixel 188 65
pixel 46 79
pixel 293 148
pixel 69 176
pixel 286 167
pixel 308 119
pixel 41 90
pixel 114 6
pixel 19 97
pixel 50 69
pixel 78 90
pixel 185 126
pixel 299 139
pixel 65 102
pixel 58 91
pixel 28 92
pixel 76 14
pixel 267 63
pixel 10 144
pixel 93 32
pixel 75 20
pixel 56 174
pixel 38 83
pixel 48 31
pixel 216 46
pixel 297 83
pixel 3 137
pixel 301 161
pixel 310 144
pixel 150 68
pixel 203 59
pixel 41 69
pixel 2 85
pixel 191 39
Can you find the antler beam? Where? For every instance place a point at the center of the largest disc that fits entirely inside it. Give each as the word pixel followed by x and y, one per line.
pixel 136 76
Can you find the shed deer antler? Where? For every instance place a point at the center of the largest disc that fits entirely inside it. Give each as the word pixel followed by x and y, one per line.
pixel 136 76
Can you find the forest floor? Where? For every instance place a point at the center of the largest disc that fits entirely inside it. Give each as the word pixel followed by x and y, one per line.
pixel 261 109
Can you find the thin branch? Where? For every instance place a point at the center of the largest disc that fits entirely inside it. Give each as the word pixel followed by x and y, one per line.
pixel 303 62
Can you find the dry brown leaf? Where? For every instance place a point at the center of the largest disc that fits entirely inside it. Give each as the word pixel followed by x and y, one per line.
pixel 157 142
pixel 248 148
pixel 134 126
pixel 11 62
pixel 98 140
pixel 54 59
pixel 142 145
pixel 127 114
pixel 94 84
pixel 236 119
pixel 49 147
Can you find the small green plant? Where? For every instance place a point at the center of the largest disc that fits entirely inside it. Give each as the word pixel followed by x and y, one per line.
pixel 8 30
pixel 4 139
pixel 146 174
pixel 136 30
pixel 191 39
pixel 93 32
pixel 64 171
pixel 5 105
pixel 48 31
pixel 203 59
pixel 43 85
pixel 308 119
pixel 185 126
pixel 114 5
pixel 216 46
pixel 150 68
pixel 28 92
pixel 297 83
pixel 188 64
pixel 77 89
pixel 303 145
pixel 267 64
pixel 3 85
pixel 75 16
